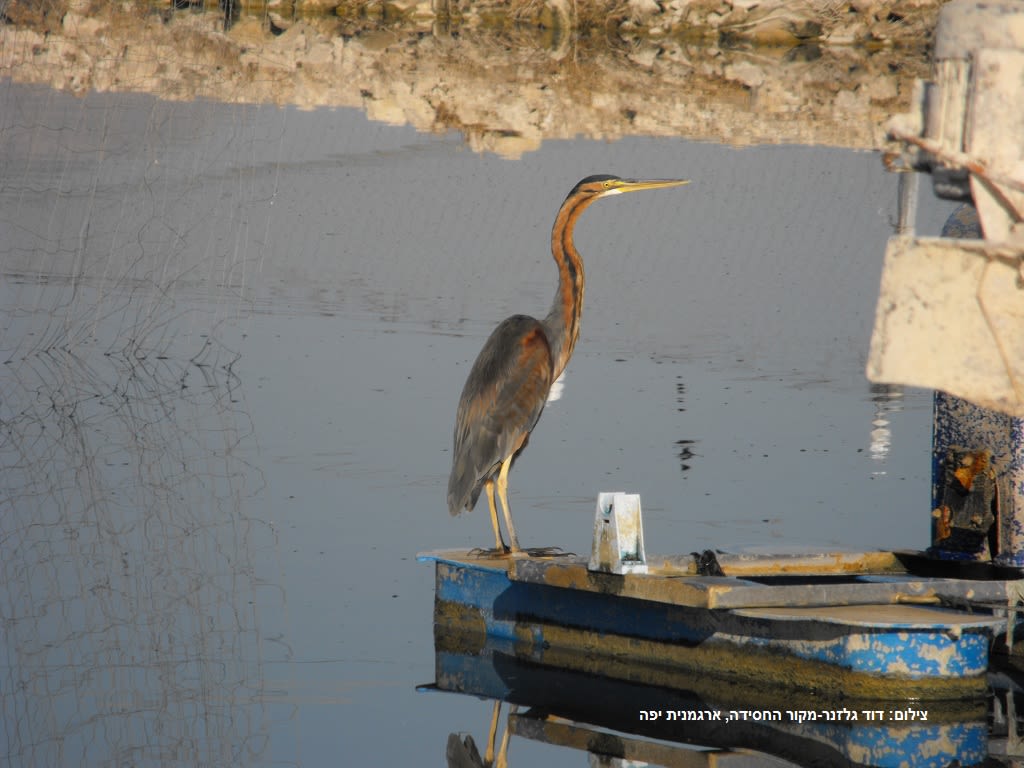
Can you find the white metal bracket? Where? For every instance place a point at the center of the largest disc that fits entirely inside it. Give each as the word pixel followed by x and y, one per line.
pixel 618 535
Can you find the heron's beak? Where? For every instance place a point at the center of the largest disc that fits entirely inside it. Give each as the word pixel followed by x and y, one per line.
pixel 631 185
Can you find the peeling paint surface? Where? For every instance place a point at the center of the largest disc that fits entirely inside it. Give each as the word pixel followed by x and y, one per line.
pixel 961 425
pixel 887 651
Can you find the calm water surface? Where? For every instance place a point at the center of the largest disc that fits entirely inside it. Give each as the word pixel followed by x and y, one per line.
pixel 233 339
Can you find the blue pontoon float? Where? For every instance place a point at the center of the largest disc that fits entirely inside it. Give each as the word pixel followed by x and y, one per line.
pixel 857 625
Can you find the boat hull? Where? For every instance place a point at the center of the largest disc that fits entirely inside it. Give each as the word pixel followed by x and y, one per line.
pixel 856 651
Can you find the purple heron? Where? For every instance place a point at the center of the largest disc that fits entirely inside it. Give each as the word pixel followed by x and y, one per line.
pixel 508 385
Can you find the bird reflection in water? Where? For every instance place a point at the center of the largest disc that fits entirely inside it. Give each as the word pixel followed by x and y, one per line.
pixel 509 383
pixel 462 752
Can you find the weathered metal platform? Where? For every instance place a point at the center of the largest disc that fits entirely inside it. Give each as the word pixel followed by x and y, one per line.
pixel 882 635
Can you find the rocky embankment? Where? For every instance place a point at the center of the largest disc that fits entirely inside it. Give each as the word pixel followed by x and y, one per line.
pixel 508 75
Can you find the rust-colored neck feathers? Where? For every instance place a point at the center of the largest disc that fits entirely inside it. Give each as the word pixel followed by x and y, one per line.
pixel 562 323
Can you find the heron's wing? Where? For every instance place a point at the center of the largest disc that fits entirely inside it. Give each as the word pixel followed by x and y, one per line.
pixel 500 404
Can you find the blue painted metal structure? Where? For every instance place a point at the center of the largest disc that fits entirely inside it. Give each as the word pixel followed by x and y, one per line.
pixel 556 611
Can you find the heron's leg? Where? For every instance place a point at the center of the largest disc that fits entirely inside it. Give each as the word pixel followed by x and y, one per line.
pixel 492 733
pixel 501 759
pixel 503 497
pixel 499 543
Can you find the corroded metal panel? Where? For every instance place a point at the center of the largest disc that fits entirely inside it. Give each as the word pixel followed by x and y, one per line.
pixel 964 519
pixel 875 650
pixel 962 428
pixel 897 640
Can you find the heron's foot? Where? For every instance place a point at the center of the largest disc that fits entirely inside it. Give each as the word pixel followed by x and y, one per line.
pixel 523 552
pixel 546 552
pixel 493 552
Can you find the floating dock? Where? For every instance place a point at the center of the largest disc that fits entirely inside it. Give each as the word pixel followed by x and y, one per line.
pixel 886 634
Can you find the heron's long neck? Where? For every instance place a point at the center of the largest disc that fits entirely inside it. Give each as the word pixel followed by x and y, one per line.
pixel 562 323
